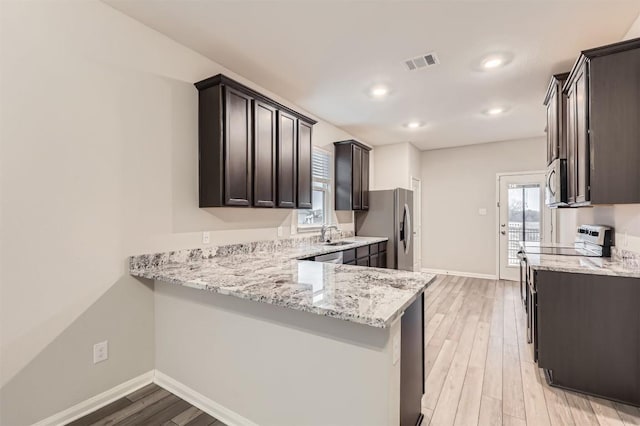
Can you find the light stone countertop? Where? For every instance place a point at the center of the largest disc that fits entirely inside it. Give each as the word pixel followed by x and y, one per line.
pixel 621 264
pixel 270 272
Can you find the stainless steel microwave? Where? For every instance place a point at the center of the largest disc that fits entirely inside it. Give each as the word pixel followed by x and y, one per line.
pixel 556 186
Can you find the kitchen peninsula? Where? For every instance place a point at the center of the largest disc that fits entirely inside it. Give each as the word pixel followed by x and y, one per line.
pixel 320 327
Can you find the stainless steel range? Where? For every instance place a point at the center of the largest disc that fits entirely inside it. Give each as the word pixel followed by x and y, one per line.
pixel 590 241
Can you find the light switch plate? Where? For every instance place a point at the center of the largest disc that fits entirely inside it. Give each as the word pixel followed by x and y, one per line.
pixel 280 231
pixel 396 348
pixel 482 212
pixel 100 352
pixel 206 237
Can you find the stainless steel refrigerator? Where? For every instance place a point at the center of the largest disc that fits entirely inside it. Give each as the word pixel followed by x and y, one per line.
pixel 390 215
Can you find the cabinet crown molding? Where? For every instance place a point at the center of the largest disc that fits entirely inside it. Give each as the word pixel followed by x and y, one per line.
pixel 223 80
pixel 353 142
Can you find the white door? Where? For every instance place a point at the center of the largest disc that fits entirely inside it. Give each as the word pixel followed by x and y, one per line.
pixel 417 220
pixel 522 217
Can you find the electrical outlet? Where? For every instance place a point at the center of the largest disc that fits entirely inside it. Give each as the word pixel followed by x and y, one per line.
pixel 482 212
pixel 206 237
pixel 396 348
pixel 100 352
pixel 280 231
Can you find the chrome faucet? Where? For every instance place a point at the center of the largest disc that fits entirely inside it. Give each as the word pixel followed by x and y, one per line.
pixel 323 232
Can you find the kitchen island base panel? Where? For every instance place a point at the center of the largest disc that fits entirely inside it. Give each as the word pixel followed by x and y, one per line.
pixel 276 366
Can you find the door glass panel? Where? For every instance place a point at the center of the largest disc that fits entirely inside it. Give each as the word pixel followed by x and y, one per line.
pixel 523 217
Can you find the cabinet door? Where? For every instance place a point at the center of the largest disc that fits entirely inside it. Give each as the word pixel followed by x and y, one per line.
pixel 365 180
pixel 356 176
pixel 304 165
pixel 286 160
pixel 264 155
pixel 237 149
pixel 582 138
pixel 382 259
pixel 412 365
pixel 571 145
pixel 363 262
pixel 552 126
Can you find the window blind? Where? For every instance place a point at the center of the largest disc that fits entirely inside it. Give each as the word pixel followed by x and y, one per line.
pixel 321 165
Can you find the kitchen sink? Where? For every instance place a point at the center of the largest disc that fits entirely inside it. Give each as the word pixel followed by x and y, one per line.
pixel 339 243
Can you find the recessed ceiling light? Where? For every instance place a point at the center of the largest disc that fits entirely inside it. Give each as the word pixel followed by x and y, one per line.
pixel 495 60
pixel 414 125
pixel 379 91
pixel 495 111
pixel 492 63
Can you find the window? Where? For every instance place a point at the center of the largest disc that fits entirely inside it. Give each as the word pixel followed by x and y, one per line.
pixel 321 192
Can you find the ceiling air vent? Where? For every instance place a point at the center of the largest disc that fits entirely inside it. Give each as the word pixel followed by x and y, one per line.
pixel 422 62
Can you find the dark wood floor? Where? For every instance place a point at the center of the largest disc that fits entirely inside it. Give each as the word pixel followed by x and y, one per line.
pixel 150 405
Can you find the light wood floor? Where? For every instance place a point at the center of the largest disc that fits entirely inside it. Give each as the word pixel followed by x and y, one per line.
pixel 150 405
pixel 479 368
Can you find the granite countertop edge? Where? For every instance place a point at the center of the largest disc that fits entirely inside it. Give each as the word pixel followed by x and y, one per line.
pixel 143 266
pixel 330 313
pixel 622 263
pixel 587 270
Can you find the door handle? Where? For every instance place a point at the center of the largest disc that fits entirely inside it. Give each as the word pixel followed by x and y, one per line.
pixel 503 232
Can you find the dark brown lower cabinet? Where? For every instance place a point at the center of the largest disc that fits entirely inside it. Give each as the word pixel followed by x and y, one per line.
pixel 382 259
pixel 412 363
pixel 363 262
pixel 589 333
pixel 349 256
pixel 373 255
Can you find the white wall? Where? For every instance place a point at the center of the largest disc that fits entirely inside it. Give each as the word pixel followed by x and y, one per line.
pixel 456 182
pixel 634 31
pixel 624 218
pixel 394 165
pixel 98 161
pixel 261 357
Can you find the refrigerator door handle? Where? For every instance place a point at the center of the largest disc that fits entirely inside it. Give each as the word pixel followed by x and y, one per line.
pixel 405 229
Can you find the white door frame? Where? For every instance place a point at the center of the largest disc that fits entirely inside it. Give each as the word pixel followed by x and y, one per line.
pixel 417 222
pixel 497 211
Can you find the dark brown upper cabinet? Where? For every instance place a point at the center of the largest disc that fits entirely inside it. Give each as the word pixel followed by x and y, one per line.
pixel 603 129
pixel 286 160
pixel 264 154
pixel 225 147
pixel 365 179
pixel 249 151
pixel 556 103
pixel 305 153
pixel 352 175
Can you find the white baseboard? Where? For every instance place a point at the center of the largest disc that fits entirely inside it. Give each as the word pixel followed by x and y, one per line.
pixel 92 404
pixel 200 401
pixel 461 274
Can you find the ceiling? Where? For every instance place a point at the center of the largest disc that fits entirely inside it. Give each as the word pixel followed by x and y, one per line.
pixel 325 56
